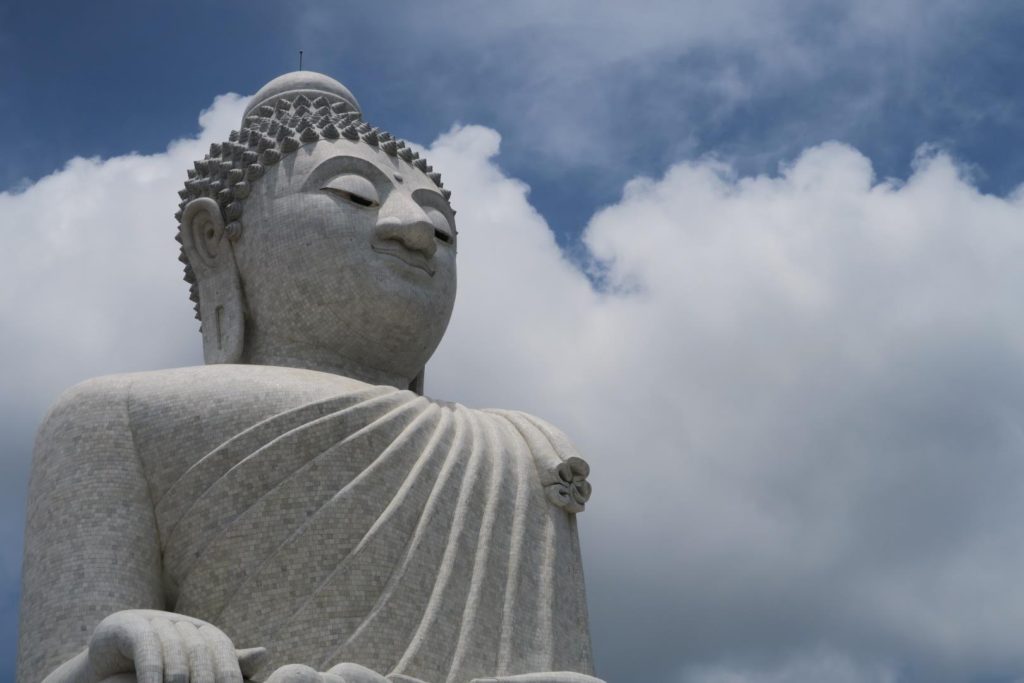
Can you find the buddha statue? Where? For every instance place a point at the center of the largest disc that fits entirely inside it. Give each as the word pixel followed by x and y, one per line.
pixel 296 510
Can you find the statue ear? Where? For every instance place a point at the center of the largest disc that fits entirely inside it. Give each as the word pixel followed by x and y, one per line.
pixel 212 258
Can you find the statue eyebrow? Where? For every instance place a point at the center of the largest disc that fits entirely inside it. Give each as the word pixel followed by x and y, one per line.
pixel 341 164
pixel 437 201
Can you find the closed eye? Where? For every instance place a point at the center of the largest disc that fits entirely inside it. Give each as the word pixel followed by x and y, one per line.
pixel 352 197
pixel 354 188
pixel 442 228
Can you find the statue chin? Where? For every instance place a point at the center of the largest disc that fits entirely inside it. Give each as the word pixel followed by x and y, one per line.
pixel 289 506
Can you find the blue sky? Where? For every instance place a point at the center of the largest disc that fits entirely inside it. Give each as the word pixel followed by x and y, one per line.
pixel 585 98
pixel 760 259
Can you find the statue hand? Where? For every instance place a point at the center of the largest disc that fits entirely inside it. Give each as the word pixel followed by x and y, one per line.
pixel 164 646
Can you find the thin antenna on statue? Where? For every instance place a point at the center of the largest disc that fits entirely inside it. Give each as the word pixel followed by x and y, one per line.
pixel 300 60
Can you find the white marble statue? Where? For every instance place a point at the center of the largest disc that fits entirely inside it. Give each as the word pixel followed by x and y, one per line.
pixel 296 511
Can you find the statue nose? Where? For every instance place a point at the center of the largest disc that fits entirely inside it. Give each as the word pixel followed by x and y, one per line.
pixel 404 221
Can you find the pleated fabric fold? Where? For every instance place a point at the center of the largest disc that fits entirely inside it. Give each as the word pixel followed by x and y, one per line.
pixel 383 528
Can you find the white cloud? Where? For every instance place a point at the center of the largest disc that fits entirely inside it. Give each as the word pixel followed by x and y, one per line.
pixel 90 286
pixel 800 394
pixel 814 667
pixel 660 73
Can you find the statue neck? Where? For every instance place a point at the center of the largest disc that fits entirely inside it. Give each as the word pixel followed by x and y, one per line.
pixel 258 351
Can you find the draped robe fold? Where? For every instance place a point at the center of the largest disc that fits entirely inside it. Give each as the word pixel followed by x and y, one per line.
pixel 410 536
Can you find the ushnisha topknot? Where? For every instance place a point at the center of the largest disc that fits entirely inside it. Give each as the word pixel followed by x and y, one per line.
pixel 291 111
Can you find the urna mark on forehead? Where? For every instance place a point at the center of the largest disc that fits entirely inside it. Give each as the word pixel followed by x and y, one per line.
pixel 288 113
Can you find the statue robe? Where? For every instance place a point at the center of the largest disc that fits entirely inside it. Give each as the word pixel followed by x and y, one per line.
pixel 380 527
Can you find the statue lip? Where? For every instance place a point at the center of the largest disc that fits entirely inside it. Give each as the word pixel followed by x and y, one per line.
pixel 407 256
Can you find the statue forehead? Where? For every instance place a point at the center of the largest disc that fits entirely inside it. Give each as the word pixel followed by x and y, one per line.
pixel 328 158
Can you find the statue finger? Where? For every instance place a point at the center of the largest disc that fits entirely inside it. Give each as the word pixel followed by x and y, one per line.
pixel 174 654
pixel 225 664
pixel 147 654
pixel 295 673
pixel 356 673
pixel 250 660
pixel 124 642
pixel 200 661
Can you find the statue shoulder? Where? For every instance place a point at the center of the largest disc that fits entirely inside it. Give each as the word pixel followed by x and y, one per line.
pixel 84 406
pixel 163 413
pixel 100 406
pixel 527 423
pixel 87 432
pixel 171 418
pixel 202 389
pixel 561 470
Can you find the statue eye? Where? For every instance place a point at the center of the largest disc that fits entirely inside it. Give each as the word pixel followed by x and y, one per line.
pixel 355 189
pixel 442 230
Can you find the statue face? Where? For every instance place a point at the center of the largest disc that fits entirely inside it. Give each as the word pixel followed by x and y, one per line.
pixel 347 259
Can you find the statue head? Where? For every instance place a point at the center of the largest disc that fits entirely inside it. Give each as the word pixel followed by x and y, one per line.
pixel 312 239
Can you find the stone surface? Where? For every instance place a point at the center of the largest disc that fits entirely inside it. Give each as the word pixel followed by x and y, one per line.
pixel 310 84
pixel 298 493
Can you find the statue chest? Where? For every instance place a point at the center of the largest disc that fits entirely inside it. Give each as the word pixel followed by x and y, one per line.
pixel 381 528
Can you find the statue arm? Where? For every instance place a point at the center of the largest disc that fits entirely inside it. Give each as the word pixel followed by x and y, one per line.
pixel 91 545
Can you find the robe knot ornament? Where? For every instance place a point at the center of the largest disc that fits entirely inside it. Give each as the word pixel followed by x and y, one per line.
pixel 571 491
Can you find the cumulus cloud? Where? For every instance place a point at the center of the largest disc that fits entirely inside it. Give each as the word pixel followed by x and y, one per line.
pixel 87 270
pixel 660 79
pixel 801 397
pixel 91 286
pixel 813 667
pixel 799 392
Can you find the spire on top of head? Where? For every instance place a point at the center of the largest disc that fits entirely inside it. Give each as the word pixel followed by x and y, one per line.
pixel 310 84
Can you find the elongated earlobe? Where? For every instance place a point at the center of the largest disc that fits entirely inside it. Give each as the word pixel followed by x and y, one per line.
pixel 221 302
